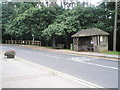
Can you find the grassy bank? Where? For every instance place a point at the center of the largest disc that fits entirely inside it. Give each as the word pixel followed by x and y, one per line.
pixel 113 52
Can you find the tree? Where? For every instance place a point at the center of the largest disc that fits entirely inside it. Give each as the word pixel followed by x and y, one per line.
pixel 53 31
pixel 7 11
pixel 46 22
pixel 109 8
pixel 31 20
pixel 64 25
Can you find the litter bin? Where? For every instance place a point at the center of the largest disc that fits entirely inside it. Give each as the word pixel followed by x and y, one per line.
pixel 71 47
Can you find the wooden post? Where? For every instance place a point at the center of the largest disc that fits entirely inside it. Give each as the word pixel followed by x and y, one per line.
pixel 9 42
pixel 13 41
pixel 98 40
pixel 29 42
pixel 77 44
pixel 19 42
pixel 40 43
pixel 26 42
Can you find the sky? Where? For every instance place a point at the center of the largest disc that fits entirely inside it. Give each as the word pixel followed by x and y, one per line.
pixel 94 2
pixel 58 1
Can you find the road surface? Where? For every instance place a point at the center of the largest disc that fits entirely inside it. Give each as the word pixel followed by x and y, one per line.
pixel 99 71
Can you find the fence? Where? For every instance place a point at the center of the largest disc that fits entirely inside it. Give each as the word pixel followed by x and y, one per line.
pixel 23 42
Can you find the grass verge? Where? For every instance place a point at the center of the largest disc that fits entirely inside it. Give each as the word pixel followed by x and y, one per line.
pixel 113 52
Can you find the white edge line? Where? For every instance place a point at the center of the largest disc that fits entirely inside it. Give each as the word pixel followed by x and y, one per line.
pixel 100 65
pixel 97 65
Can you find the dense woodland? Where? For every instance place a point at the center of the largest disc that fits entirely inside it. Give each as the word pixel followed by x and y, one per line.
pixel 54 24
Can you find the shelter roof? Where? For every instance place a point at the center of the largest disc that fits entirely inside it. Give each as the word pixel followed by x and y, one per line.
pixel 90 32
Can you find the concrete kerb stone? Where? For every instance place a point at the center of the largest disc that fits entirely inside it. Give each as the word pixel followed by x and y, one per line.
pixel 86 83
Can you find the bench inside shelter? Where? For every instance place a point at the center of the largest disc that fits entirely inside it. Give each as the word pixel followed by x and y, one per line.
pixel 59 46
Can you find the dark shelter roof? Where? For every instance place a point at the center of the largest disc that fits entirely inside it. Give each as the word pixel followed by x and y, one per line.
pixel 90 32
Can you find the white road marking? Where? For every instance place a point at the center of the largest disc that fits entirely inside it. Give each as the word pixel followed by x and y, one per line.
pixel 100 65
pixel 26 51
pixel 82 61
pixel 49 56
pixel 79 59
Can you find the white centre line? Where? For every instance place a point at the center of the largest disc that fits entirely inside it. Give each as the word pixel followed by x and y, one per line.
pixel 26 51
pixel 42 54
pixel 50 56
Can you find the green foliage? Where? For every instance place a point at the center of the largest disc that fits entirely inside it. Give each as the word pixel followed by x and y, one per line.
pixel 30 20
pixel 54 29
pixel 112 52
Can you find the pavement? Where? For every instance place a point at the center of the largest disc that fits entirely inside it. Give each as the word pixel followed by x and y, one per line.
pixel 0 72
pixel 97 54
pixel 20 73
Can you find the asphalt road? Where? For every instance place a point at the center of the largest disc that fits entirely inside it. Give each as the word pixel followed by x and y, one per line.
pixel 99 71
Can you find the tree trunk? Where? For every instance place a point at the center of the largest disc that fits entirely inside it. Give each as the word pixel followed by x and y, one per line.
pixel 54 43
pixel 47 3
pixel 67 45
pixel 11 38
pixel 64 3
pixel 21 39
pixel 61 3
pixel 47 43
pixel 83 3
